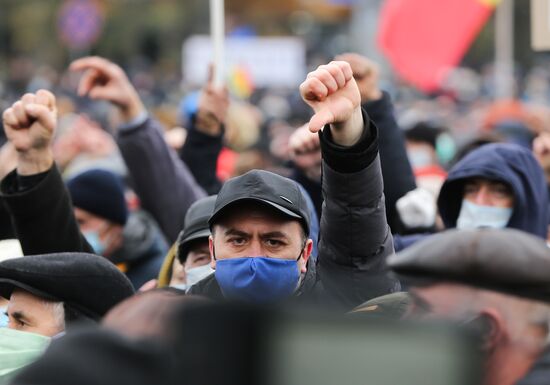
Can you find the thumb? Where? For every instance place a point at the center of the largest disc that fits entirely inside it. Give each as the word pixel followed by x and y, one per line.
pixel 42 114
pixel 320 119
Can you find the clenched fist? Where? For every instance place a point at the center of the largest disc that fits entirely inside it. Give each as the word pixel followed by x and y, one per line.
pixel 213 107
pixel 334 96
pixel 29 125
pixel 366 73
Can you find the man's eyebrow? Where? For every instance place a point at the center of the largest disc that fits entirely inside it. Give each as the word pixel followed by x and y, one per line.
pixel 18 315
pixel 274 234
pixel 237 233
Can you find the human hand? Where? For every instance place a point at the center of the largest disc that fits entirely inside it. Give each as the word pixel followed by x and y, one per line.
pixel 29 125
pixel 213 106
pixel 305 152
pixel 334 96
pixel 366 74
pixel 105 80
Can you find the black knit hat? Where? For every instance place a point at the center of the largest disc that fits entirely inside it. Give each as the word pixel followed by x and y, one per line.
pixel 196 225
pixel 266 188
pixel 101 193
pixel 89 284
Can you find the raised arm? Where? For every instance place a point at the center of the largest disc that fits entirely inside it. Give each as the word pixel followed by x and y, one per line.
pixel 34 193
pixel 354 238
pixel 205 136
pixel 396 169
pixel 162 181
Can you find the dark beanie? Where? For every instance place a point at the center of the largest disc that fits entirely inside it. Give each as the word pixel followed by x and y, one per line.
pixel 101 193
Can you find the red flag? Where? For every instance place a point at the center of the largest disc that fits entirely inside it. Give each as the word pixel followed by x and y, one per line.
pixel 424 39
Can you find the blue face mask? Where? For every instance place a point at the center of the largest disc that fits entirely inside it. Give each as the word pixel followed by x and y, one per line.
pixel 93 239
pixel 257 279
pixel 474 216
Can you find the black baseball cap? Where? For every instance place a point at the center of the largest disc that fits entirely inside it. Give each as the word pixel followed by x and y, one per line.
pixel 195 225
pixel 267 188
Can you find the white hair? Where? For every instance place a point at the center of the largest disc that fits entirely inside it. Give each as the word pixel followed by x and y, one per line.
pixel 58 311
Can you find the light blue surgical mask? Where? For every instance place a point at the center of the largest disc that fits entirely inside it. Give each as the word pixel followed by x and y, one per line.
pixel 17 350
pixel 93 239
pixel 419 158
pixel 257 279
pixel 4 319
pixel 474 216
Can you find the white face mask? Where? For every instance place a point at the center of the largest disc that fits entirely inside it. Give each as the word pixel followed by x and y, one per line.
pixel 419 158
pixel 195 275
pixel 474 216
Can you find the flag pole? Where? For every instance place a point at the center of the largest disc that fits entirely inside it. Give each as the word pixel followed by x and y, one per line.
pixel 217 35
pixel 504 50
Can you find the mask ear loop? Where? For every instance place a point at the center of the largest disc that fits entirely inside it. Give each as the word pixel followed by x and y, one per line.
pixel 214 252
pixel 302 252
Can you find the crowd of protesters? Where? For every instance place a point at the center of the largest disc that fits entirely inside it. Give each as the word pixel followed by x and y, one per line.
pixel 127 213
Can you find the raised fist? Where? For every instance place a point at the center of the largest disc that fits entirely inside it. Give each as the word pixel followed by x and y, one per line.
pixel 305 152
pixel 213 106
pixel 104 80
pixel 29 125
pixel 366 74
pixel 334 96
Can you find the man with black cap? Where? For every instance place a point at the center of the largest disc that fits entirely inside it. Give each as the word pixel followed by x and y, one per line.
pixel 259 244
pixel 497 281
pixel 189 261
pixel 48 292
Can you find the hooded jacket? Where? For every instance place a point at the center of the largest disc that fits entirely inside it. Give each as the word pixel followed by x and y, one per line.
pixel 508 163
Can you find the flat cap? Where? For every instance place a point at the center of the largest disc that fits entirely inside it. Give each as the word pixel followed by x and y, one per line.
pixel 503 260
pixel 89 284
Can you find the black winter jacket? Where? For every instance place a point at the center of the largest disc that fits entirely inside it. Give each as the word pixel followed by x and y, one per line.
pixel 355 238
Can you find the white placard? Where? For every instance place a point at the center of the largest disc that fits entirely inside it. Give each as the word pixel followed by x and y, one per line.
pixel 271 61
pixel 540 25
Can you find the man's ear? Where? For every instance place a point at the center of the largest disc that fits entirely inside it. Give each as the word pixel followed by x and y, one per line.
pixel 491 329
pixel 212 252
pixel 306 253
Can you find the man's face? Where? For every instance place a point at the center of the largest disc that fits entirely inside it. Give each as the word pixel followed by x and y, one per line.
pixel 198 255
pixel 438 301
pixel 250 230
pixel 485 192
pixel 110 234
pixel 32 314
